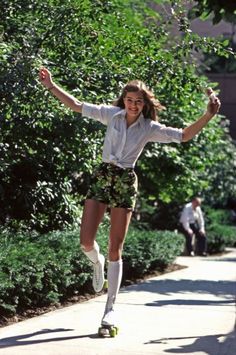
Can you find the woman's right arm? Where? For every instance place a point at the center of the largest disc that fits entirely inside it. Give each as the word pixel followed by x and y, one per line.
pixel 67 99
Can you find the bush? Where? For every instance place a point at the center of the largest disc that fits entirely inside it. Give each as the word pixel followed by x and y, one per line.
pixel 220 231
pixel 145 251
pixel 219 237
pixel 215 243
pixel 93 48
pixel 217 216
pixel 39 270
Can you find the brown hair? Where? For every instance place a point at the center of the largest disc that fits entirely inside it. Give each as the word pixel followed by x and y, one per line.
pixel 152 105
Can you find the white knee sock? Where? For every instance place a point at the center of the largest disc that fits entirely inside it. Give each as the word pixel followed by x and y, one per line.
pixel 114 276
pixel 93 255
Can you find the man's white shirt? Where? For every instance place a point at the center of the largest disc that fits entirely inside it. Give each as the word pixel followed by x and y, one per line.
pixel 189 216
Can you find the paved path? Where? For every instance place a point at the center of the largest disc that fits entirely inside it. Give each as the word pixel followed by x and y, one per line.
pixel 190 311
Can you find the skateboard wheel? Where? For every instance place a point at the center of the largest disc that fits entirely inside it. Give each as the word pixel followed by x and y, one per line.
pixel 113 332
pixel 105 285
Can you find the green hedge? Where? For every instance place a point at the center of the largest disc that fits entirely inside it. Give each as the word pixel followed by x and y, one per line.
pixel 39 270
pixel 145 251
pixel 220 236
pixel 221 233
pixel 217 216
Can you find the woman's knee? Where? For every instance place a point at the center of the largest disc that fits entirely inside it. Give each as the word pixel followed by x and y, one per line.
pixel 115 251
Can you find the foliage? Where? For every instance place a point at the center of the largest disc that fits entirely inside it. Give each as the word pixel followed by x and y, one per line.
pixel 221 233
pixel 215 243
pixel 217 216
pixel 37 271
pixel 218 9
pixel 212 63
pixel 220 236
pixel 145 251
pixel 228 232
pixel 92 49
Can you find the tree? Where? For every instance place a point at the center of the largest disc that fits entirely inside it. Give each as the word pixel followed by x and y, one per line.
pixel 215 11
pixel 218 9
pixel 93 48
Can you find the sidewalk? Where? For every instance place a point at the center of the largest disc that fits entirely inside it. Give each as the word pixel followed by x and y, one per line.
pixel 190 311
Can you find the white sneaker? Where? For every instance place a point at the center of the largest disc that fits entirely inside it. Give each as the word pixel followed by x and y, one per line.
pixel 109 318
pixel 98 274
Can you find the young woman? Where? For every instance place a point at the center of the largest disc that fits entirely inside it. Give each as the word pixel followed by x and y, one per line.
pixel 131 123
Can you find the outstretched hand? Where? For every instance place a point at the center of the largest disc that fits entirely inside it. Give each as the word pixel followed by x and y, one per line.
pixel 214 102
pixel 45 77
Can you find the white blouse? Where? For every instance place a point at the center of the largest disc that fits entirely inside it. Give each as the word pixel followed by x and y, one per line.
pixel 122 145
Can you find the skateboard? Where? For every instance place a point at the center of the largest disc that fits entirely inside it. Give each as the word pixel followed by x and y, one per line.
pixel 106 330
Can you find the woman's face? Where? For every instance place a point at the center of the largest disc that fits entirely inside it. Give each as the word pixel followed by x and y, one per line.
pixel 134 104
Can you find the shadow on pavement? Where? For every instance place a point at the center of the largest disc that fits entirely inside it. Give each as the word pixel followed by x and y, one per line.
pixel 188 302
pixel 19 340
pixel 207 344
pixel 227 289
pixel 222 260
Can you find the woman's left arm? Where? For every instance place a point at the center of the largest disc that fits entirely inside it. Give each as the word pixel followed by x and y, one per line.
pixel 212 109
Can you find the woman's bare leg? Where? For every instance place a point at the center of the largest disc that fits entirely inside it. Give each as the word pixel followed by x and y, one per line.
pixel 120 219
pixel 92 216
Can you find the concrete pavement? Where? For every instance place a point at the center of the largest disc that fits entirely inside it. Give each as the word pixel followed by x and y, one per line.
pixel 189 311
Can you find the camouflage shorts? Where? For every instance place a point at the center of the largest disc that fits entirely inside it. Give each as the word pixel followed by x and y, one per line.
pixel 113 186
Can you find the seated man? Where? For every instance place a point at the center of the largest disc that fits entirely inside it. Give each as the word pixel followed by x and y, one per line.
pixel 192 223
